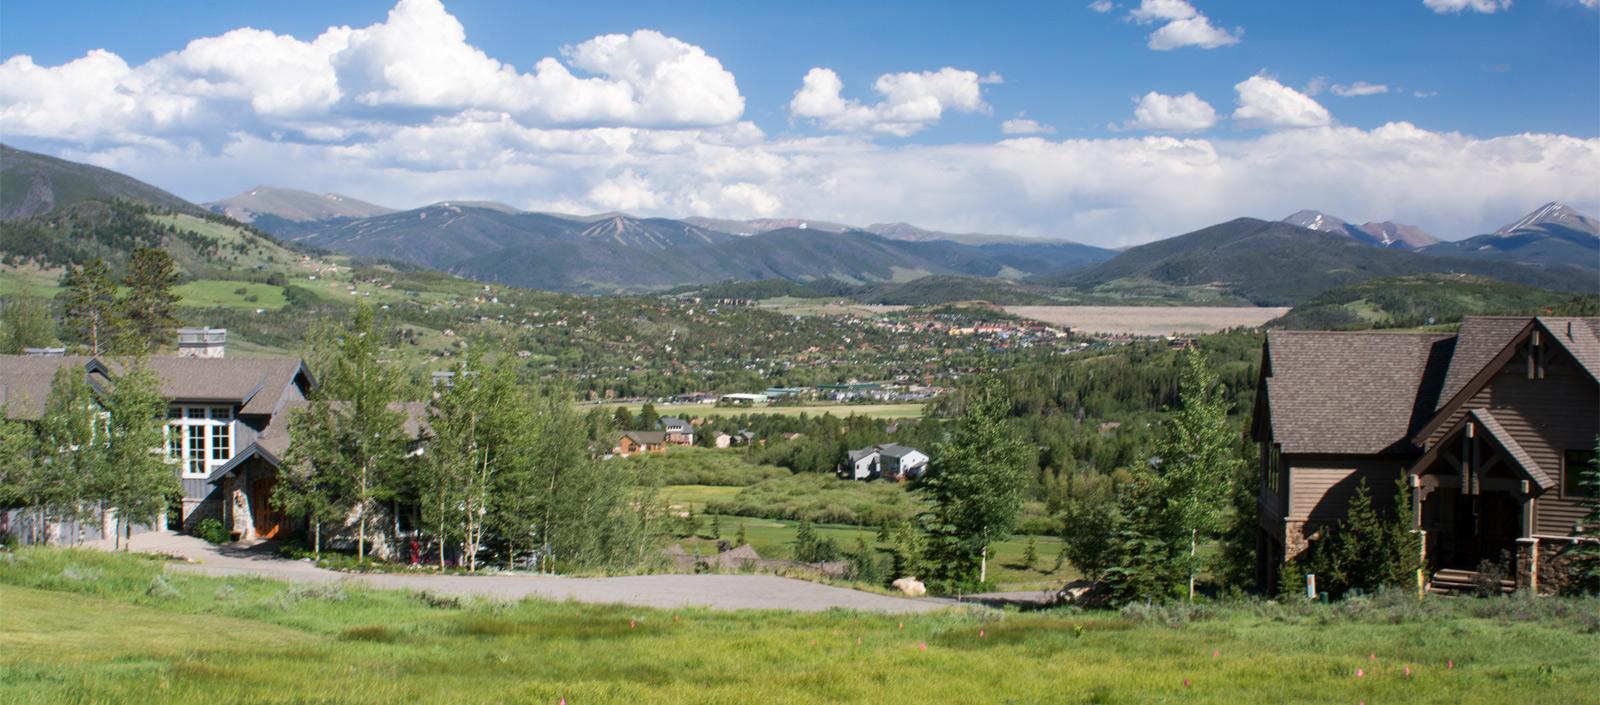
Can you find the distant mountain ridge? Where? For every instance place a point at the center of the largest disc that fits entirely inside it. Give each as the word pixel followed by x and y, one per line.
pixel 1552 215
pixel 47 202
pixel 1278 263
pixel 1553 235
pixel 33 184
pixel 1384 234
pixel 293 205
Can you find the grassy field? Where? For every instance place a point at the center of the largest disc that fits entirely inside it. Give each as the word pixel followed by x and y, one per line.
pixel 218 293
pixel 29 280
pixel 876 411
pixel 95 628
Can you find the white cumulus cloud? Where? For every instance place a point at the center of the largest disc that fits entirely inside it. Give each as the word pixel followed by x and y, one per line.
pixel 1484 6
pixel 911 101
pixel 1181 26
pixel 1266 103
pixel 1025 126
pixel 347 80
pixel 1172 113
pixel 1359 88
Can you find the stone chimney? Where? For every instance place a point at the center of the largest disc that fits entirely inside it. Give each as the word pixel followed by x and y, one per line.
pixel 202 342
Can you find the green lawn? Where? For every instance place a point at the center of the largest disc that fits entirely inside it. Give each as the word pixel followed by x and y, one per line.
pixel 221 293
pixel 29 280
pixel 876 411
pixel 81 628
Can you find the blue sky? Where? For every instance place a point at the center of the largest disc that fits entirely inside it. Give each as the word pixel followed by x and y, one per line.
pixel 1449 87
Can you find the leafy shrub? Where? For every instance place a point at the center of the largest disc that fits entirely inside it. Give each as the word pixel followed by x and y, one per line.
pixel 211 530
pixel 823 499
pixel 702 466
pixel 161 589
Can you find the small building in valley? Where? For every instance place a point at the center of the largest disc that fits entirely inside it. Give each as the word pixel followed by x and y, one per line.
pixel 631 442
pixel 888 461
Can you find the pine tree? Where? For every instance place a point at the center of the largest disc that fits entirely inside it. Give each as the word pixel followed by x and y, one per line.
pixel 974 487
pixel 92 311
pixel 1585 554
pixel 741 539
pixel 716 526
pixel 648 418
pixel 149 304
pixel 623 419
pixel 1030 555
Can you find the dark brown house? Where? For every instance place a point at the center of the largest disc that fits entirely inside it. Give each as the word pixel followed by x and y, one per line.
pixel 1489 427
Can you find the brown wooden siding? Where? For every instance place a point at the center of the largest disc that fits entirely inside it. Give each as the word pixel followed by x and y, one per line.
pixel 1546 417
pixel 1320 488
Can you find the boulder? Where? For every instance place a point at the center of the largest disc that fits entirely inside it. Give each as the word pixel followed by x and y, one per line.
pixel 912 587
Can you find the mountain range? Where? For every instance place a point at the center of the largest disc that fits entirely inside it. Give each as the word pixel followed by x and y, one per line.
pixel 1243 260
pixel 1384 234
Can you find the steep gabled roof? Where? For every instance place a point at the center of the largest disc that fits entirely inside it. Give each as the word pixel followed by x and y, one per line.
pixel 1480 339
pixel 1350 392
pixel 1487 343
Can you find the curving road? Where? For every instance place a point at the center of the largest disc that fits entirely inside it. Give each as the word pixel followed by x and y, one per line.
pixel 728 592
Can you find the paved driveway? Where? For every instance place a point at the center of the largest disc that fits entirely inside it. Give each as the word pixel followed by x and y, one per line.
pixel 714 591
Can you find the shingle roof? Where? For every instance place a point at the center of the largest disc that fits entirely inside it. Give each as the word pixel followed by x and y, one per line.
pixel 25 382
pixel 1349 392
pixel 257 383
pixel 897 451
pixel 1480 339
pixel 1580 336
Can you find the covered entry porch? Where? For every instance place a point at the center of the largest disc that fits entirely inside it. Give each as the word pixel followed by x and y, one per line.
pixel 1473 499
pixel 246 483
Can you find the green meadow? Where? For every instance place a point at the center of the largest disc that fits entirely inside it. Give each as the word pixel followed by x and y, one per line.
pixel 81 627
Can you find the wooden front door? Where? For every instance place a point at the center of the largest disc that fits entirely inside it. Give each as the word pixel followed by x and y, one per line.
pixel 267 519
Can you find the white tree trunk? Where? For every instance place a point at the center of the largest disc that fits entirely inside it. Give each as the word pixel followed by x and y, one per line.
pixel 983 565
pixel 1192 536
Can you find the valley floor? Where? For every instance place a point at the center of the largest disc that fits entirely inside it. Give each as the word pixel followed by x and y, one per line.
pixel 92 627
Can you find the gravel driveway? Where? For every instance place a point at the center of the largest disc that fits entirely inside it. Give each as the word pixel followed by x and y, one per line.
pixel 729 592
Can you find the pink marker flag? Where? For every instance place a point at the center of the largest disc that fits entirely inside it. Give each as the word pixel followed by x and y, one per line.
pixel 1360 673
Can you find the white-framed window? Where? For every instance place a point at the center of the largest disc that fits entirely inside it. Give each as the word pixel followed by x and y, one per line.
pixel 199 438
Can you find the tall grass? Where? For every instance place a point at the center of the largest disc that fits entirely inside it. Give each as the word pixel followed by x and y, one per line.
pixel 79 627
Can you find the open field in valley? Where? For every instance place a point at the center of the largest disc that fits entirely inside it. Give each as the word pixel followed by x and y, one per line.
pixel 83 627
pixel 1149 320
